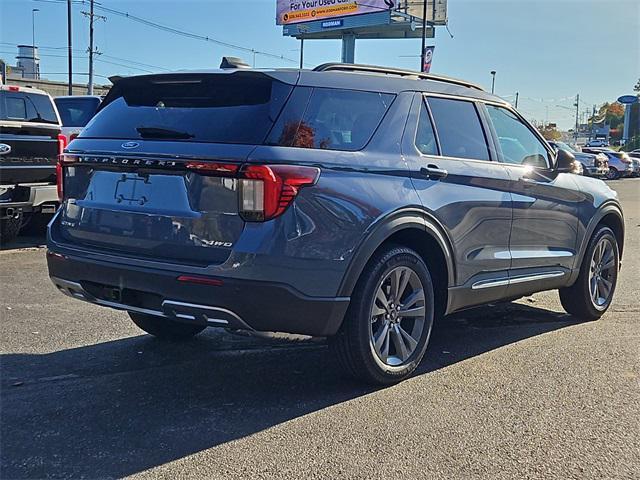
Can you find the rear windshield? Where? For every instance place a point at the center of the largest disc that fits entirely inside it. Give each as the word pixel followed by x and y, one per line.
pixel 222 108
pixel 76 112
pixel 27 107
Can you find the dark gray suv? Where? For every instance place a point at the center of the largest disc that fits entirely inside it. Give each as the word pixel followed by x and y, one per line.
pixel 353 202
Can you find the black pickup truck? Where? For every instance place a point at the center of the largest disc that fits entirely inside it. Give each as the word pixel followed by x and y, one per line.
pixel 30 142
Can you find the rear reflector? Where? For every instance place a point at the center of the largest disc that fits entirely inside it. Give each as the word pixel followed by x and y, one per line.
pixel 200 280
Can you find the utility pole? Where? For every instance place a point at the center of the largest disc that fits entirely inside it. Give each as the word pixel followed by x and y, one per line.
pixel 91 50
pixel 301 52
pixel 593 126
pixel 577 105
pixel 517 94
pixel 493 81
pixel 70 54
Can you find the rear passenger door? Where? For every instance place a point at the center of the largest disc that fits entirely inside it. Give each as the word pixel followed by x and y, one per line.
pixel 471 201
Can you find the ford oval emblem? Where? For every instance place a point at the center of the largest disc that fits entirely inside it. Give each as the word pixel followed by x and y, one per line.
pixel 129 145
pixel 4 148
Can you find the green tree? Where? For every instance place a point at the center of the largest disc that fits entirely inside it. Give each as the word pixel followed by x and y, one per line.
pixel 549 132
pixel 637 87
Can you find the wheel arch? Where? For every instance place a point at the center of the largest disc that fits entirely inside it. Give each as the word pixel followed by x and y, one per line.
pixel 610 215
pixel 415 229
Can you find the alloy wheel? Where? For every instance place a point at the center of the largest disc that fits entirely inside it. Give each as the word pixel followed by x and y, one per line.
pixel 602 273
pixel 398 316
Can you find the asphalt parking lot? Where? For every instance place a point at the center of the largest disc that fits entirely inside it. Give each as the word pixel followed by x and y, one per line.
pixel 516 390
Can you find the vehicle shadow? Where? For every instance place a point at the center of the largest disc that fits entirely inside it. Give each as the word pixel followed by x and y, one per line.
pixel 121 407
pixel 26 241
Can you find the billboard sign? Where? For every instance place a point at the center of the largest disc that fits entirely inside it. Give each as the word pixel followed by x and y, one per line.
pixel 296 11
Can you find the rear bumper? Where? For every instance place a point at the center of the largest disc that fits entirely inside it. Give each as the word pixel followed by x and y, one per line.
pixel 28 198
pixel 241 304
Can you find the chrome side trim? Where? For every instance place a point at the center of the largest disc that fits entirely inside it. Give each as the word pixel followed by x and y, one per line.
pixel 505 255
pixel 501 282
pixel 533 278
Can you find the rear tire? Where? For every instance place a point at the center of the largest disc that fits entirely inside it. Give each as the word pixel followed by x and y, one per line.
pixel 9 229
pixel 388 324
pixel 613 174
pixel 591 295
pixel 165 329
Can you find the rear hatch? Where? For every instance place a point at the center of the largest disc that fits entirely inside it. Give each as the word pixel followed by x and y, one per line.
pixel 29 128
pixel 154 173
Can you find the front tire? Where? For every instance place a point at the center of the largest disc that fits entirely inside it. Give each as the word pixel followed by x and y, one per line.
pixel 387 327
pixel 591 295
pixel 164 328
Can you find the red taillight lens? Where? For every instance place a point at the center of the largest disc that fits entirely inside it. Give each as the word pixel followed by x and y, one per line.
pixel 62 144
pixel 217 169
pixel 267 190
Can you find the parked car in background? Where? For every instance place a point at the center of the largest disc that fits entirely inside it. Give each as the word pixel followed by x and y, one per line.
pixel 597 143
pixel 30 142
pixel 593 165
pixel 634 153
pixel 620 164
pixel 351 202
pixel 75 112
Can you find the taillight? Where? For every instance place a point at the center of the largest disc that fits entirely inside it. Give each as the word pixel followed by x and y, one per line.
pixel 62 160
pixel 62 144
pixel 267 190
pixel 217 169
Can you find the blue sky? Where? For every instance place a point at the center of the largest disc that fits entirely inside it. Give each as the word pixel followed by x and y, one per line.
pixel 548 50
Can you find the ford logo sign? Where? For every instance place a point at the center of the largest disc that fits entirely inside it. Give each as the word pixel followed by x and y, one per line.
pixel 129 145
pixel 4 148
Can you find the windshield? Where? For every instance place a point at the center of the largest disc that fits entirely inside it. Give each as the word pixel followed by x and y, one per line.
pixel 76 112
pixel 565 147
pixel 220 108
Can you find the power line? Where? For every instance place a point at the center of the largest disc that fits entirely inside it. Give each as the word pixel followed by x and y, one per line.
pixel 178 31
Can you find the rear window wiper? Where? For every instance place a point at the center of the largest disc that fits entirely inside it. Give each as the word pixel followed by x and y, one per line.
pixel 157 132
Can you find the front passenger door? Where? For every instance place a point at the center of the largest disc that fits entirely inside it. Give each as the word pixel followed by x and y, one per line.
pixel 545 203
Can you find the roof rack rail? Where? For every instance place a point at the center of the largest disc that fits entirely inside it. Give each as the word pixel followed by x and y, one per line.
pixel 351 67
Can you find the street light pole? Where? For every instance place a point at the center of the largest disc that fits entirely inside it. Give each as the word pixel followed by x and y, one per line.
pixel 493 81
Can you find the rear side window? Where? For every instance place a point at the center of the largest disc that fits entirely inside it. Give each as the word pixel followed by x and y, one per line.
pixel 425 136
pixel 327 118
pixel 238 107
pixel 459 129
pixel 76 112
pixel 28 107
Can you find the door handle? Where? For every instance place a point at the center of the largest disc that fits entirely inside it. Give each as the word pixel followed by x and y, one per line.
pixel 432 172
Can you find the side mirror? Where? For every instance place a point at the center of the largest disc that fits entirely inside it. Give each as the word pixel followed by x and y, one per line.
pixel 565 162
